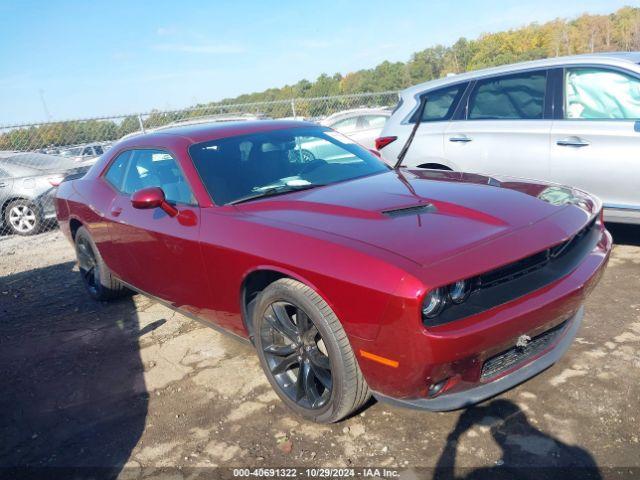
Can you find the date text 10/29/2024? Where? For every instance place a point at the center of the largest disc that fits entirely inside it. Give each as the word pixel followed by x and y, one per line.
pixel 316 472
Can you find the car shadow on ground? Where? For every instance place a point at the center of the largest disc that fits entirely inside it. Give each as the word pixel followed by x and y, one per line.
pixel 73 394
pixel 526 451
pixel 624 234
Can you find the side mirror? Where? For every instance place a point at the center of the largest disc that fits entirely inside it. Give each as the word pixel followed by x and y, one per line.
pixel 152 197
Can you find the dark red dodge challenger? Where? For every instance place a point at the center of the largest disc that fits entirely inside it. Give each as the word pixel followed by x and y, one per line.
pixel 429 289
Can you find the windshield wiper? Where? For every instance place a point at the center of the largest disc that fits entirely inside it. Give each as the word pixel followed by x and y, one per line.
pixel 270 192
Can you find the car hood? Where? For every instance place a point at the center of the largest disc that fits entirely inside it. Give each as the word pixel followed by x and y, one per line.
pixel 426 216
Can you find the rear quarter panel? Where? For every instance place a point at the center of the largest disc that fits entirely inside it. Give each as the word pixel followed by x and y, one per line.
pixel 85 200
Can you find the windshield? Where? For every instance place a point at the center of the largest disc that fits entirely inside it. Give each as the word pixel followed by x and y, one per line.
pixel 247 167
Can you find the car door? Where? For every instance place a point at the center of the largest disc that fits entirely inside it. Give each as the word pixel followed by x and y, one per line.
pixel 427 145
pixel 596 145
pixel 505 127
pixel 158 254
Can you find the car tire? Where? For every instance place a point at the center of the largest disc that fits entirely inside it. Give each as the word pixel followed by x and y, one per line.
pixel 23 217
pixel 305 353
pixel 96 276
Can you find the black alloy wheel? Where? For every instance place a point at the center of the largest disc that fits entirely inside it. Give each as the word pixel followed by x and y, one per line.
pixel 296 355
pixel 305 352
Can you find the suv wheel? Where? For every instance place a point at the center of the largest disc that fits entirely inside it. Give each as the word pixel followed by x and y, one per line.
pixel 305 353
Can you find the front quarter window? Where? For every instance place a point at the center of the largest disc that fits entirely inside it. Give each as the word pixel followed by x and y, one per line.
pixel 594 93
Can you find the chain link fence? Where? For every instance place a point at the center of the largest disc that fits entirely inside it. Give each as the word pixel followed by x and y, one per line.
pixel 35 158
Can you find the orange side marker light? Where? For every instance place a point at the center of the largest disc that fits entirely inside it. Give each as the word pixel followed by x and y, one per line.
pixel 377 358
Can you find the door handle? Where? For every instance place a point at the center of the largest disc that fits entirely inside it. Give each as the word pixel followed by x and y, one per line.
pixel 3 184
pixel 116 211
pixel 573 142
pixel 460 139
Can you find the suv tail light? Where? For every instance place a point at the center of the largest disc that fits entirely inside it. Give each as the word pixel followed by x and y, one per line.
pixel 382 142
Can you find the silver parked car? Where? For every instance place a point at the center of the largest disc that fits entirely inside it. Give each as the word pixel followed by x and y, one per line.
pixel 572 120
pixel 28 182
pixel 362 125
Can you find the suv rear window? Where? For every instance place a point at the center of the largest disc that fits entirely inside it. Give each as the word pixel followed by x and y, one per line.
pixel 519 96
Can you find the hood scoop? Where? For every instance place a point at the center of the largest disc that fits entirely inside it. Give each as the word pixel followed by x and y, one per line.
pixel 412 210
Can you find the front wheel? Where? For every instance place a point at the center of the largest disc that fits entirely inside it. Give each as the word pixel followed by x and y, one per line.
pixel 305 353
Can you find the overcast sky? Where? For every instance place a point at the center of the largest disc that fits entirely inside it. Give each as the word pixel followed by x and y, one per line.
pixel 92 58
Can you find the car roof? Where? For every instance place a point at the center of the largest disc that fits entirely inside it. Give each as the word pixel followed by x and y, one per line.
pixel 212 131
pixel 603 58
pixel 33 163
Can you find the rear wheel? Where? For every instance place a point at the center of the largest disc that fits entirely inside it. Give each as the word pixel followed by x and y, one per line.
pixel 23 217
pixel 305 353
pixel 96 276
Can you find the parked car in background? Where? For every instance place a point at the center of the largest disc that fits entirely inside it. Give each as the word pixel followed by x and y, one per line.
pixel 28 183
pixel 433 290
pixel 572 120
pixel 106 146
pixel 83 153
pixel 362 125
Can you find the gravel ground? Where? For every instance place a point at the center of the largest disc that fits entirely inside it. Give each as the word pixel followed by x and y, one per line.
pixel 137 389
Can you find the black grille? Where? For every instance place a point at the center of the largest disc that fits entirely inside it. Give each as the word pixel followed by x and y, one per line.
pixel 507 359
pixel 532 263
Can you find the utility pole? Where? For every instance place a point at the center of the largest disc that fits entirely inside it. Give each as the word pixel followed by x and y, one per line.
pixel 44 105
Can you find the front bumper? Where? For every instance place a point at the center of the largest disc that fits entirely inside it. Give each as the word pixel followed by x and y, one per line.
pixel 432 362
pixel 522 372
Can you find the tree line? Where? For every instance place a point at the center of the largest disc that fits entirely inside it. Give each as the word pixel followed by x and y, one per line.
pixel 618 31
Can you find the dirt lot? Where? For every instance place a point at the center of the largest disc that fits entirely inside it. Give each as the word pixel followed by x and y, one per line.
pixel 136 388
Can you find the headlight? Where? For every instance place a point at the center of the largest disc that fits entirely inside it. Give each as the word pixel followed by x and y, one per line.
pixel 449 296
pixel 459 291
pixel 433 302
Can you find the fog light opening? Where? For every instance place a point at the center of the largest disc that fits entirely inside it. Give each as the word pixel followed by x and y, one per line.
pixel 436 388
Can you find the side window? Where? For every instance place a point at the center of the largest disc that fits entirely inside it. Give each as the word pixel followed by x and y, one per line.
pixel 595 93
pixel 98 150
pixel 373 121
pixel 156 168
pixel 346 125
pixel 441 104
pixel 513 97
pixel 117 170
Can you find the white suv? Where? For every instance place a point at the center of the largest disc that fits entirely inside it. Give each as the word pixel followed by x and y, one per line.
pixel 572 120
